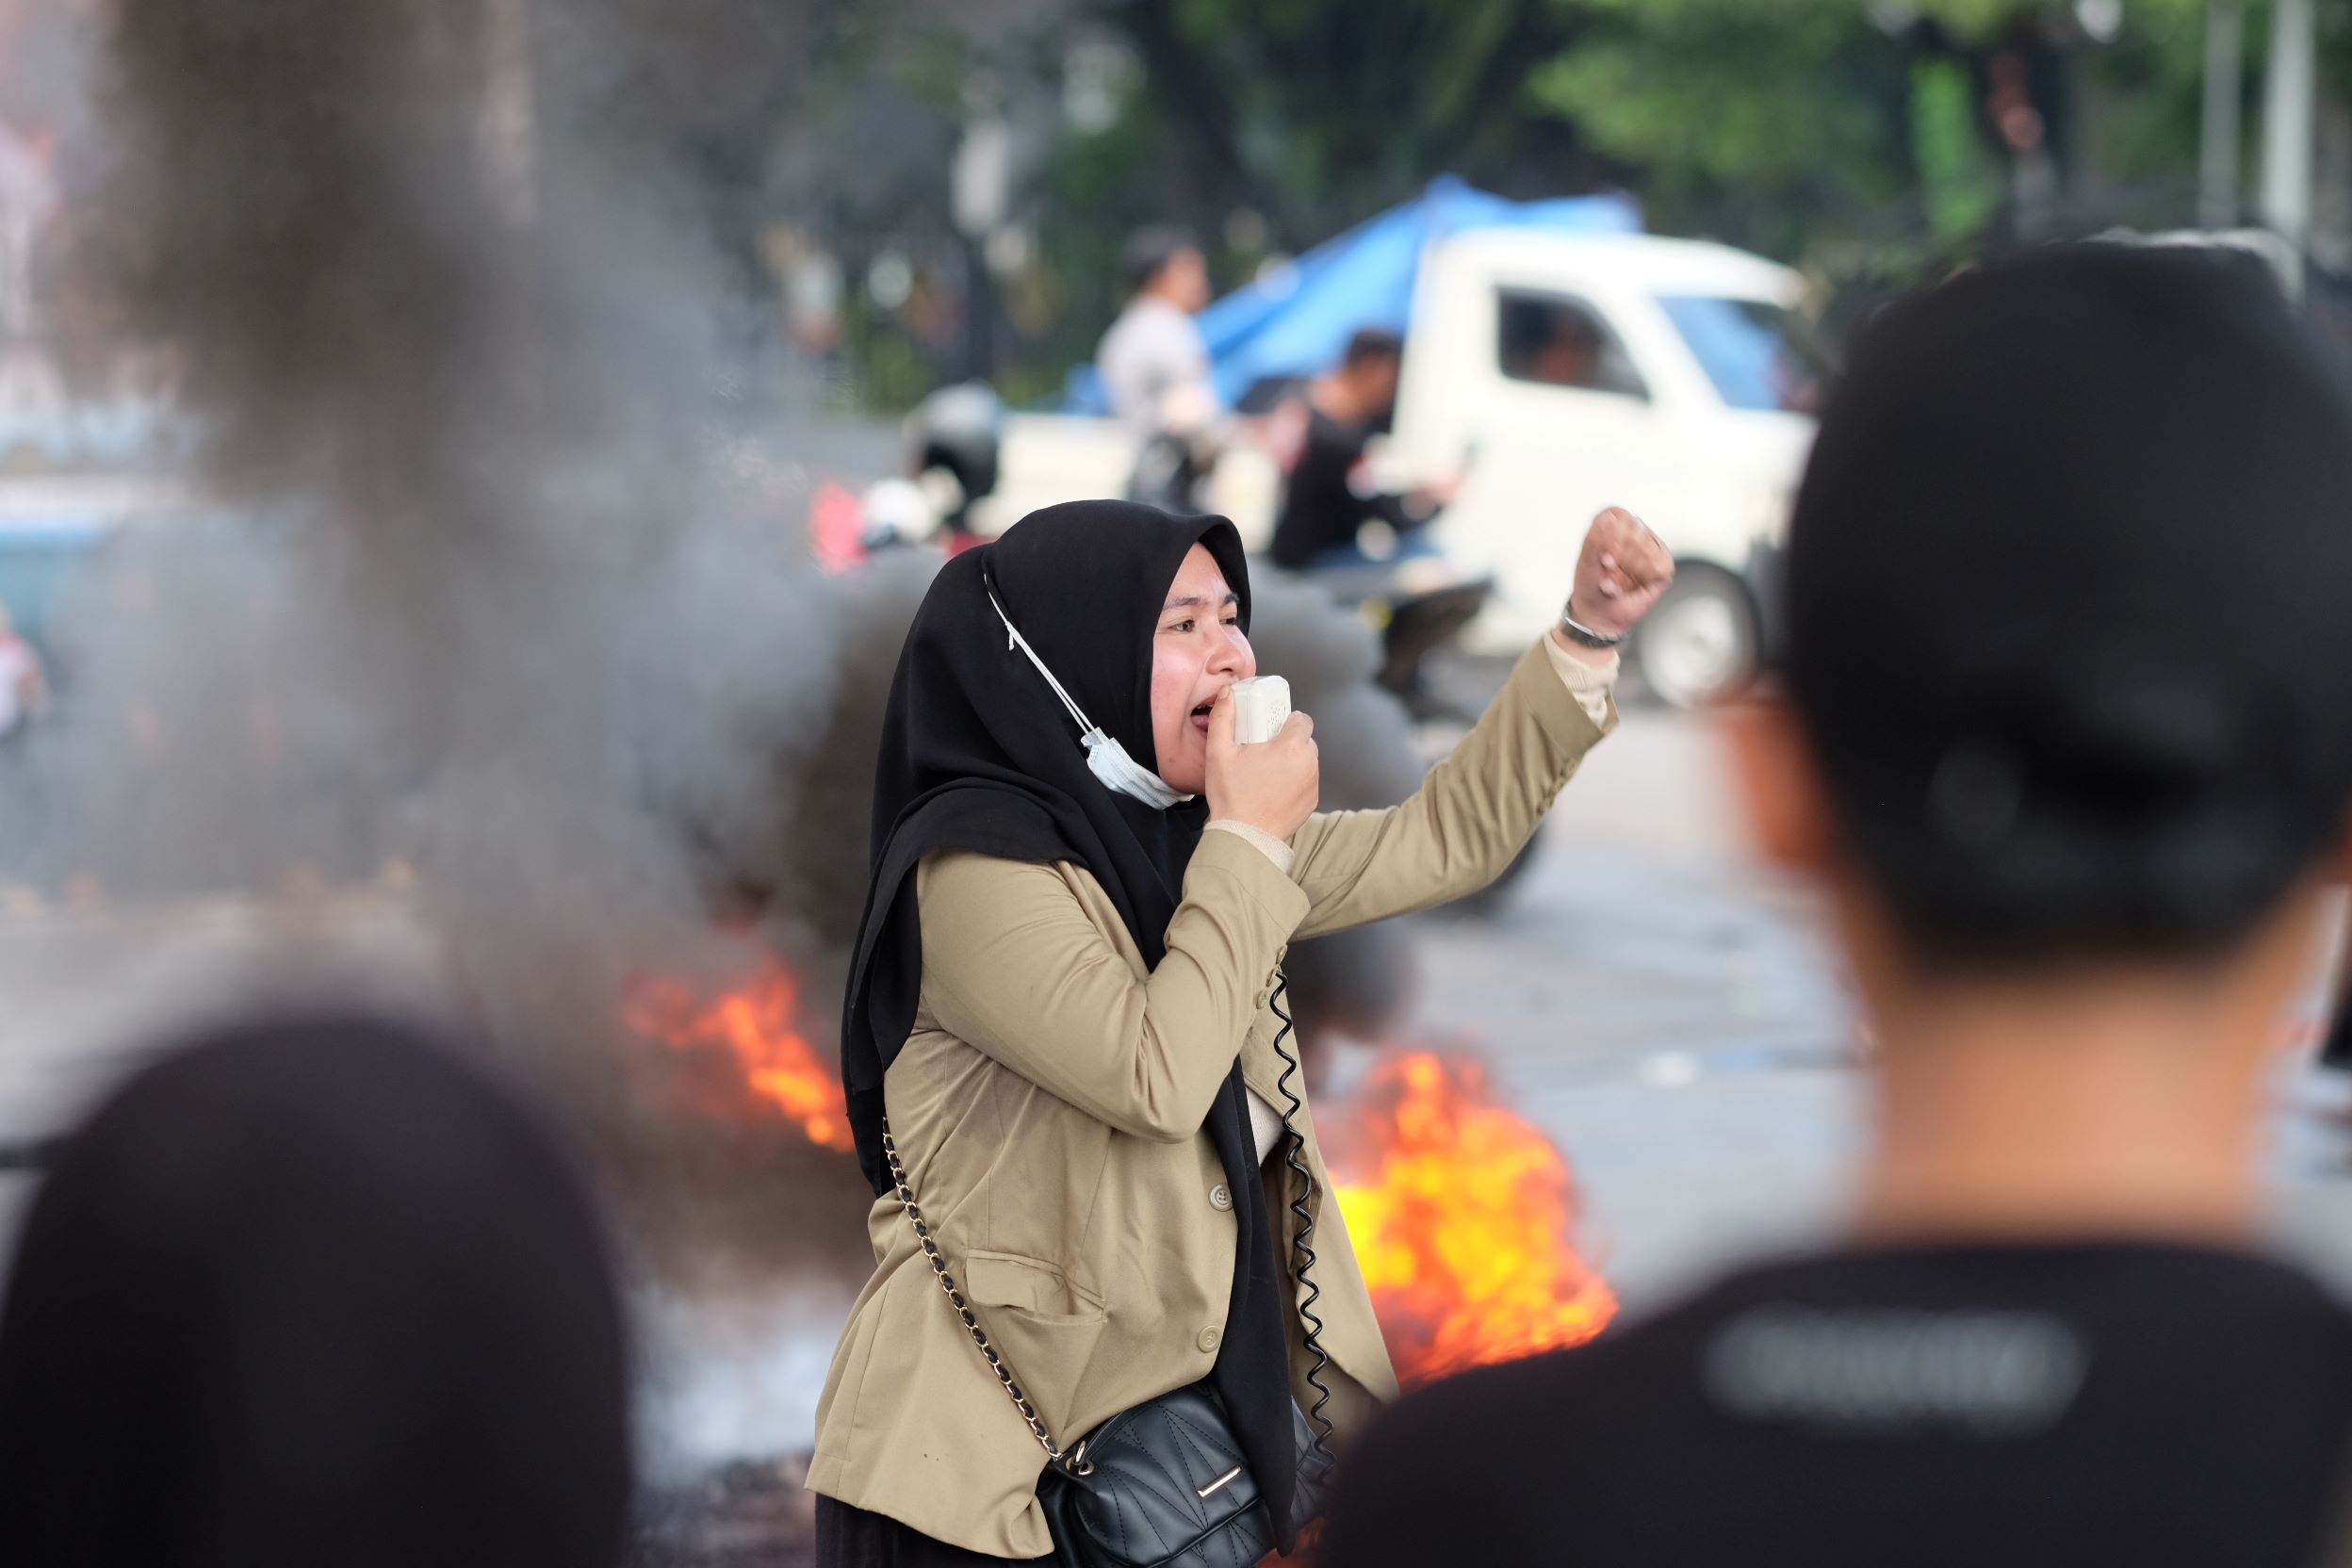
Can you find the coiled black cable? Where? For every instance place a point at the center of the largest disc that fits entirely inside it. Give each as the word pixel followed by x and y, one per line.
pixel 1294 1144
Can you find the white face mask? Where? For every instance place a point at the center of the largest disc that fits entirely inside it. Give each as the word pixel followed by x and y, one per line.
pixel 1106 758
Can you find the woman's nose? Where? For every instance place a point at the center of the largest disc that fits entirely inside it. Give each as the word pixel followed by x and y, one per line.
pixel 1230 655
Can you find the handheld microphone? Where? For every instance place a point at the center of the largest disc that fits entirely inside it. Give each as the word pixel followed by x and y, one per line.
pixel 1260 708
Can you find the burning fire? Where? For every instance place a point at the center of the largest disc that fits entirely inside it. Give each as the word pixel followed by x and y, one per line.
pixel 754 1023
pixel 1461 1214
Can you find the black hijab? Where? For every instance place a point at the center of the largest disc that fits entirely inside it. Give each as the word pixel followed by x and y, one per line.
pixel 312 1293
pixel 978 754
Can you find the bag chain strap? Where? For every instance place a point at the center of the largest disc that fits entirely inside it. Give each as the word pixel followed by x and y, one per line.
pixel 1313 1323
pixel 963 1309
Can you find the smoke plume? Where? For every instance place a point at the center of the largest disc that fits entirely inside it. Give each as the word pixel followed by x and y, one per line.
pixel 486 580
pixel 489 589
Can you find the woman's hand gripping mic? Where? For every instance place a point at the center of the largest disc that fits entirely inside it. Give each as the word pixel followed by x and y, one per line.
pixel 1273 785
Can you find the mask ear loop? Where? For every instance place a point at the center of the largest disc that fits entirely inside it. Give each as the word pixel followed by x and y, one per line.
pixel 1015 640
pixel 1106 758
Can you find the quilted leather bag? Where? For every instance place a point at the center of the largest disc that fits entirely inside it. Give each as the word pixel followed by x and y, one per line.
pixel 1163 1484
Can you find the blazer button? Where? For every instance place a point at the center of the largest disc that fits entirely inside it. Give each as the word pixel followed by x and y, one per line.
pixel 1209 1341
pixel 1220 1197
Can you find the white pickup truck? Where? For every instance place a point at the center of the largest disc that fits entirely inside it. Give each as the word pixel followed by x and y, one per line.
pixel 1559 373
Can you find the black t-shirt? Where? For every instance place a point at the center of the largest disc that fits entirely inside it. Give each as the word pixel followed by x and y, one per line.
pixel 1321 505
pixel 2017 1406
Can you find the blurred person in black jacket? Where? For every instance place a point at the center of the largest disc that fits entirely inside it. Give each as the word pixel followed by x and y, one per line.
pixel 311 1295
pixel 2067 742
pixel 1331 495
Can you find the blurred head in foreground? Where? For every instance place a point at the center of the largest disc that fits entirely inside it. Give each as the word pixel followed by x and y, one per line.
pixel 312 1293
pixel 2068 728
pixel 2068 737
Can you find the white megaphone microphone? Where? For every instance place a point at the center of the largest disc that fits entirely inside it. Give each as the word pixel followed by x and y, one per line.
pixel 1260 708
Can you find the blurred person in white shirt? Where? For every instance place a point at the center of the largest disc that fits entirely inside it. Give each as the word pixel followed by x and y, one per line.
pixel 1155 363
pixel 1155 371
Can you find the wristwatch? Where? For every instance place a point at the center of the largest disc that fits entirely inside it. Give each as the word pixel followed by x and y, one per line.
pixel 1579 632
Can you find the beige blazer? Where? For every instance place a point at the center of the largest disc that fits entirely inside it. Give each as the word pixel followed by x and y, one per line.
pixel 1048 1107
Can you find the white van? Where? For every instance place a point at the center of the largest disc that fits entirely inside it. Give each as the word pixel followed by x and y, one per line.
pixel 1562 372
pixel 1577 372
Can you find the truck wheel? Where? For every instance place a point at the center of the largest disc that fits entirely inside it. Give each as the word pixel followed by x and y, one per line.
pixel 1700 640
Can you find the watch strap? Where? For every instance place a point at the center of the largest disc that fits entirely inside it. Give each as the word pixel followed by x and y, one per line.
pixel 1579 632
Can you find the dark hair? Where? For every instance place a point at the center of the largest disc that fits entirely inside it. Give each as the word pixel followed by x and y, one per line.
pixel 2070 605
pixel 312 1293
pixel 1372 343
pixel 1148 253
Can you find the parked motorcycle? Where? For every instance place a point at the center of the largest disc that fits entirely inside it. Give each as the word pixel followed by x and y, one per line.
pixel 954 441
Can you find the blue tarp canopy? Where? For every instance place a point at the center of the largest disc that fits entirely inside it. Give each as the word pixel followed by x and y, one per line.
pixel 1294 322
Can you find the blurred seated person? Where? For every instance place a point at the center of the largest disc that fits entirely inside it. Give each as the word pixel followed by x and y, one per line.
pixel 312 1295
pixel 1559 343
pixel 24 684
pixel 1330 495
pixel 2067 742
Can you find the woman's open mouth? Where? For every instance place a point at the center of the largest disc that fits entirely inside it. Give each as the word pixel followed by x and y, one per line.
pixel 1200 717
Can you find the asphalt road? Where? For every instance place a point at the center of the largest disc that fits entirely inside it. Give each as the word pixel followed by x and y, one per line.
pixel 1665 1009
pixel 1671 1013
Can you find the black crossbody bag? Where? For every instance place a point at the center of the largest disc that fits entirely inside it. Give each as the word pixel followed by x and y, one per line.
pixel 1164 1484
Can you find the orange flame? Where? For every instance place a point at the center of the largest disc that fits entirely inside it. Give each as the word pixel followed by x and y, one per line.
pixel 755 1022
pixel 1463 1214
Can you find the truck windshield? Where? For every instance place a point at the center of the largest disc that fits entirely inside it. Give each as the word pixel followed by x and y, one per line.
pixel 1759 355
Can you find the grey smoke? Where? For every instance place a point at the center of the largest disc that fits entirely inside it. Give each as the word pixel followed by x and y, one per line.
pixel 496 577
pixel 499 578
pixel 1355 983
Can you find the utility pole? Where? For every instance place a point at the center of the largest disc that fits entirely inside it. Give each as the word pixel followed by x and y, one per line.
pixel 980 198
pixel 2218 154
pixel 2289 117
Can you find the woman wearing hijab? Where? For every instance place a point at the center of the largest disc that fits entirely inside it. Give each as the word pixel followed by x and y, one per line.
pixel 311 1295
pixel 1061 1006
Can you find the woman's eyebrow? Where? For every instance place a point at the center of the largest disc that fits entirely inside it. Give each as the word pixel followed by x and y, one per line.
pixel 1196 601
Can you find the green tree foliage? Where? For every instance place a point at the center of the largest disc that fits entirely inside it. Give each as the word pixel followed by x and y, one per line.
pixel 1792 125
pixel 1757 119
pixel 1855 134
pixel 1316 114
pixel 1959 181
pixel 1787 125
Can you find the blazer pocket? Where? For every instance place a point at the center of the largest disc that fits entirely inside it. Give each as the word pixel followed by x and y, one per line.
pixel 1037 1289
pixel 1046 1329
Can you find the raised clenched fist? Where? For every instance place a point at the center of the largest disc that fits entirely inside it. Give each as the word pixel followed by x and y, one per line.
pixel 1622 570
